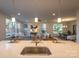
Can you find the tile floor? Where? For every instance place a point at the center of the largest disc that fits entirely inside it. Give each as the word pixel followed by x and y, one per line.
pixel 62 49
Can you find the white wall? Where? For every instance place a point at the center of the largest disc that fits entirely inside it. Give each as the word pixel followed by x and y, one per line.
pixel 70 25
pixel 77 31
pixel 2 26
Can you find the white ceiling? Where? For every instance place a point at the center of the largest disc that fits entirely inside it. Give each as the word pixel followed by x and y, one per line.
pixel 39 8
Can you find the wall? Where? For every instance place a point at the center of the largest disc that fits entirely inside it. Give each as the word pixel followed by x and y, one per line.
pixel 2 26
pixel 77 31
pixel 70 25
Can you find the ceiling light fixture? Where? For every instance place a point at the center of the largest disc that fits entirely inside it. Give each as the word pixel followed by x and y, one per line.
pixel 59 12
pixel 36 19
pixel 13 19
pixel 59 20
pixel 18 14
pixel 53 14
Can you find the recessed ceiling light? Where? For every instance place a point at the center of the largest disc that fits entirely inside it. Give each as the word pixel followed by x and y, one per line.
pixel 19 14
pixel 53 14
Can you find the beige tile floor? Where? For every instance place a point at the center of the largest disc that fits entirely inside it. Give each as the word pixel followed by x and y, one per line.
pixel 64 49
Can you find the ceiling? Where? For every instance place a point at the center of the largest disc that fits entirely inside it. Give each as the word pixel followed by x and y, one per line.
pixel 39 8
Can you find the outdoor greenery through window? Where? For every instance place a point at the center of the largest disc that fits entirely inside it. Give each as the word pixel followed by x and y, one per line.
pixel 57 28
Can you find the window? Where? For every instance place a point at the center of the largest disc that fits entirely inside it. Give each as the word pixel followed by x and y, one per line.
pixel 57 28
pixel 8 25
pixel 43 27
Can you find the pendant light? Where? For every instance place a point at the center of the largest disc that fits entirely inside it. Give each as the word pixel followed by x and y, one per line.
pixel 59 20
pixel 36 19
pixel 13 18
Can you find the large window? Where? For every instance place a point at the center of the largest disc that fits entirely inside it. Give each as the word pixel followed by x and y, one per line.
pixel 43 27
pixel 8 25
pixel 57 28
pixel 11 27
